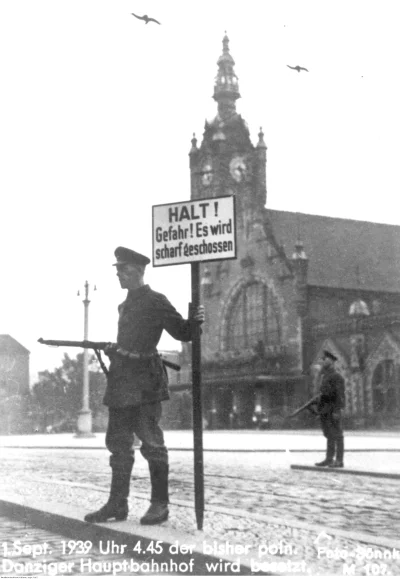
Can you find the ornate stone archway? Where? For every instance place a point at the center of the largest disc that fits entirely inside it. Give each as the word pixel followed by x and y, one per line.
pixel 388 349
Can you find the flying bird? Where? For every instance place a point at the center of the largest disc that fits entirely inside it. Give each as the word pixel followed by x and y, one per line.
pixel 298 68
pixel 146 18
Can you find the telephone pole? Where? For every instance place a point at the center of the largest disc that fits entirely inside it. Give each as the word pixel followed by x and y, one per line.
pixel 84 423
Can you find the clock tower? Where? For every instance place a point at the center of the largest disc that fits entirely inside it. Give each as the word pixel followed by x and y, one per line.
pixel 251 334
pixel 227 163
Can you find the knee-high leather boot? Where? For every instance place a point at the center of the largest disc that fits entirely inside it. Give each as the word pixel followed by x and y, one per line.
pixel 330 452
pixel 117 504
pixel 338 463
pixel 158 510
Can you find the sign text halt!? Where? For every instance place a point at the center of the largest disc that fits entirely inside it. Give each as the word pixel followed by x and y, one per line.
pixel 197 230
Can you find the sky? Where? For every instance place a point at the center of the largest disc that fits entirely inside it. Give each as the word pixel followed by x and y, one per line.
pixel 97 111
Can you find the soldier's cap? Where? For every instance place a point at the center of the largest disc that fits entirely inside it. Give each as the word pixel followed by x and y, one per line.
pixel 328 354
pixel 128 256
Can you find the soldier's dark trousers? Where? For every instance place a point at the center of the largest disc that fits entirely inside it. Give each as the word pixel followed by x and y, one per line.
pixel 333 431
pixel 123 424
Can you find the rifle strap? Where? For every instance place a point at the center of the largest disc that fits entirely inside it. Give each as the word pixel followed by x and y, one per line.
pixel 100 359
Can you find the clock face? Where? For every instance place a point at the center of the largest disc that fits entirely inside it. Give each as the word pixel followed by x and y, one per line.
pixel 206 175
pixel 238 168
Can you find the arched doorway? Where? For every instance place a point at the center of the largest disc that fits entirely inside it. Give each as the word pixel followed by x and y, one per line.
pixel 385 390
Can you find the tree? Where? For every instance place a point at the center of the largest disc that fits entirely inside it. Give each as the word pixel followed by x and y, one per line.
pixel 14 403
pixel 57 396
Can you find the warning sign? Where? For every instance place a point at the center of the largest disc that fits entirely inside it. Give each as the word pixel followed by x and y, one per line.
pixel 197 230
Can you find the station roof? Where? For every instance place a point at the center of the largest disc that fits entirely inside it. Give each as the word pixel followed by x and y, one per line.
pixel 342 253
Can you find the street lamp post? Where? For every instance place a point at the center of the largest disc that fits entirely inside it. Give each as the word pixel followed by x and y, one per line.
pixel 85 415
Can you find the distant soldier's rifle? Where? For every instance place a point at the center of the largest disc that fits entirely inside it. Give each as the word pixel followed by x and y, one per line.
pixel 304 407
pixel 108 347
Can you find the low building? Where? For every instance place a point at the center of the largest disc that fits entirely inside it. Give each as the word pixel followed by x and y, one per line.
pixel 14 385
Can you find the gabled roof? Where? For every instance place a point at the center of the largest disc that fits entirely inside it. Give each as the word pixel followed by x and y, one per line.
pixel 342 253
pixel 10 346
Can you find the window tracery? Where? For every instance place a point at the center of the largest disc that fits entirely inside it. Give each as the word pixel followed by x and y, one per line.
pixel 254 317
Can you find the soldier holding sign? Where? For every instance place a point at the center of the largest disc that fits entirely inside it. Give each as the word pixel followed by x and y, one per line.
pixel 136 388
pixel 195 232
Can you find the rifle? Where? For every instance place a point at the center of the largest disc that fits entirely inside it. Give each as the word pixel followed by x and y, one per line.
pixel 110 347
pixel 304 407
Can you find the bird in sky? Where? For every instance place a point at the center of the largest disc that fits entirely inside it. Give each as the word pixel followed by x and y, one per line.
pixel 298 68
pixel 146 18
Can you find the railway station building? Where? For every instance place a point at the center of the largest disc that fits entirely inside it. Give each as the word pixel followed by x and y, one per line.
pixel 300 284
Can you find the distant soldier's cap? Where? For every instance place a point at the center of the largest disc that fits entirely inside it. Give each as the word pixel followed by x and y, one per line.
pixel 125 255
pixel 328 354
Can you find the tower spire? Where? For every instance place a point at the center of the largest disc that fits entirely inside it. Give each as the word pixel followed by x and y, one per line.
pixel 226 87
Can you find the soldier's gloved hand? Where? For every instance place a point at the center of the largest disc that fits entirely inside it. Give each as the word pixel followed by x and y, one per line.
pixel 198 315
pixel 110 348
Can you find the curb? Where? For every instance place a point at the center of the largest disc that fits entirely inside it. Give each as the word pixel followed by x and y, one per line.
pixel 317 529
pixel 183 549
pixel 375 474
pixel 187 556
pixel 243 514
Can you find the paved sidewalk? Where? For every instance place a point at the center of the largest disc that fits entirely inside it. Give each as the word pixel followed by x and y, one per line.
pixel 72 547
pixel 228 440
pixel 366 451
pixel 27 549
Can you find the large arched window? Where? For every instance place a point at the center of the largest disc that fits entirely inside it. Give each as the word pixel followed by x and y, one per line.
pixel 253 318
pixel 384 388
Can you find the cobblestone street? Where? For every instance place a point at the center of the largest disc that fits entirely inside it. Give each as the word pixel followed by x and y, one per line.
pixel 256 483
pixel 250 497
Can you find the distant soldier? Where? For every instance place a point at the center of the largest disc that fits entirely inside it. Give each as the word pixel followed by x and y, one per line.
pixel 136 388
pixel 329 407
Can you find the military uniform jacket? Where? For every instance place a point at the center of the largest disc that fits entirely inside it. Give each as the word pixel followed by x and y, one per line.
pixel 332 394
pixel 142 318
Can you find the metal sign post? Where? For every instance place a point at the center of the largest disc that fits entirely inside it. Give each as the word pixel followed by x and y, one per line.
pixel 197 405
pixel 192 232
